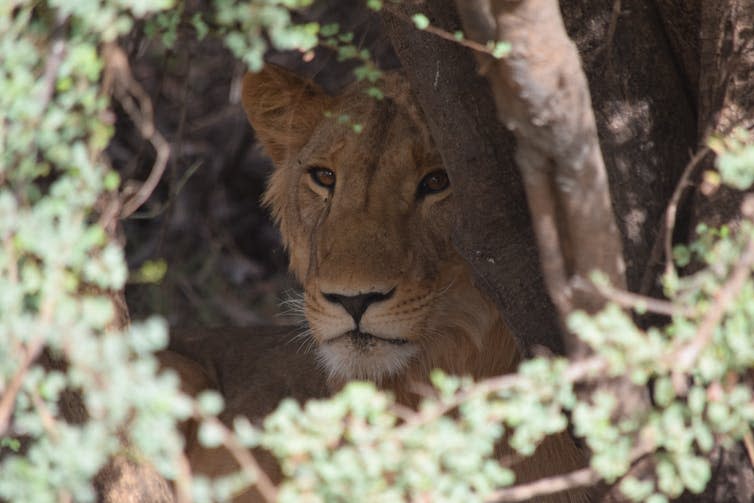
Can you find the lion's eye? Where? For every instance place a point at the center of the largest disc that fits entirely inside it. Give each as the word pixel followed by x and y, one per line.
pixel 437 181
pixel 322 176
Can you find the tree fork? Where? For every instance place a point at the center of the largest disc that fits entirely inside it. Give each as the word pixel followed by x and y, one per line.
pixel 542 95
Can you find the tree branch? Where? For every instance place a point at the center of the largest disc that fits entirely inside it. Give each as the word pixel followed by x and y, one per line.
pixel 545 102
pixel 246 460
pixel 580 478
pixel 672 210
pixel 443 34
pixel 633 301
pixel 31 353
pixel 138 105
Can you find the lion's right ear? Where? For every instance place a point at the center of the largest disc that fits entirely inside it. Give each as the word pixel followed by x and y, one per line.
pixel 283 109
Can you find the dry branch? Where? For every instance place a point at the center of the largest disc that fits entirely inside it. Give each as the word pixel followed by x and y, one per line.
pixel 542 96
pixel 246 460
pixel 634 301
pixel 137 104
pixel 8 400
pixel 183 479
pixel 443 34
pixel 54 59
pixel 672 210
pixel 543 487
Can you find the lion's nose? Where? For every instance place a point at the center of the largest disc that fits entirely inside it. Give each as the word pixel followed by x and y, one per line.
pixel 356 305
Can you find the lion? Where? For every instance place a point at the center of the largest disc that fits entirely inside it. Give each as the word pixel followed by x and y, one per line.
pixel 365 210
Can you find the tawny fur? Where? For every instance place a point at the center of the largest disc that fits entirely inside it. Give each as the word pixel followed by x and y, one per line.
pixel 374 232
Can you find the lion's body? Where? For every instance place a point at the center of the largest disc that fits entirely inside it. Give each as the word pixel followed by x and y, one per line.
pixel 368 230
pixel 253 369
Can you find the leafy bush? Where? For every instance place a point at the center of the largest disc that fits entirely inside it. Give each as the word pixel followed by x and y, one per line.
pixel 79 386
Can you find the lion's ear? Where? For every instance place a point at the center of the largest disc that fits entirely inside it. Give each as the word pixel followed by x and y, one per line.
pixel 283 109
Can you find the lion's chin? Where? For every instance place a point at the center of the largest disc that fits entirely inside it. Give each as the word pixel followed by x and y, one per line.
pixel 358 355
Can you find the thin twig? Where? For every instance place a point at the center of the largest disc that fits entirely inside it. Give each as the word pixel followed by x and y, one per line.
pixel 550 485
pixel 149 215
pixel 48 421
pixel 584 477
pixel 443 34
pixel 247 461
pixel 183 479
pixel 632 300
pixel 33 350
pixel 138 105
pixel 663 243
pixel 672 209
pixel 54 59
pixel 749 445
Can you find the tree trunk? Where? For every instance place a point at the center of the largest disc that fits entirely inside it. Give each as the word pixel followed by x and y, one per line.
pixel 493 230
pixel 726 92
pixel 647 125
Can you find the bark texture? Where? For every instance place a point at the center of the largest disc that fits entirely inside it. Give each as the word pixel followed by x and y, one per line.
pixel 726 92
pixel 646 127
pixel 645 117
pixel 493 230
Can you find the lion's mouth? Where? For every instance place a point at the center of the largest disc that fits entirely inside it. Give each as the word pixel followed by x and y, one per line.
pixel 361 355
pixel 365 340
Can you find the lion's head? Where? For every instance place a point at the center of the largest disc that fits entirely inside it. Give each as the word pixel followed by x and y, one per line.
pixel 366 210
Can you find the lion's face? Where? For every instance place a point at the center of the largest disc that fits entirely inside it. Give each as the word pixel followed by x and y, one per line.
pixel 367 221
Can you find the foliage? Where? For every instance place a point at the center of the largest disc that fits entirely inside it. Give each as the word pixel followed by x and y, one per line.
pixel 77 387
pixel 59 267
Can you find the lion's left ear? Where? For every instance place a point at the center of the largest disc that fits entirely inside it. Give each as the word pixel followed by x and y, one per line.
pixel 283 109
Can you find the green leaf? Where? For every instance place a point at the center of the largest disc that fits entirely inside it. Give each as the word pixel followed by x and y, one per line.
pixel 681 255
pixel 112 181
pixel 501 49
pixel 635 489
pixel 151 272
pixel 420 21
pixel 210 402
pixel 247 434
pixel 211 434
pixel 664 393
pixel 329 30
pixel 695 472
pixel 10 443
pixel 199 25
